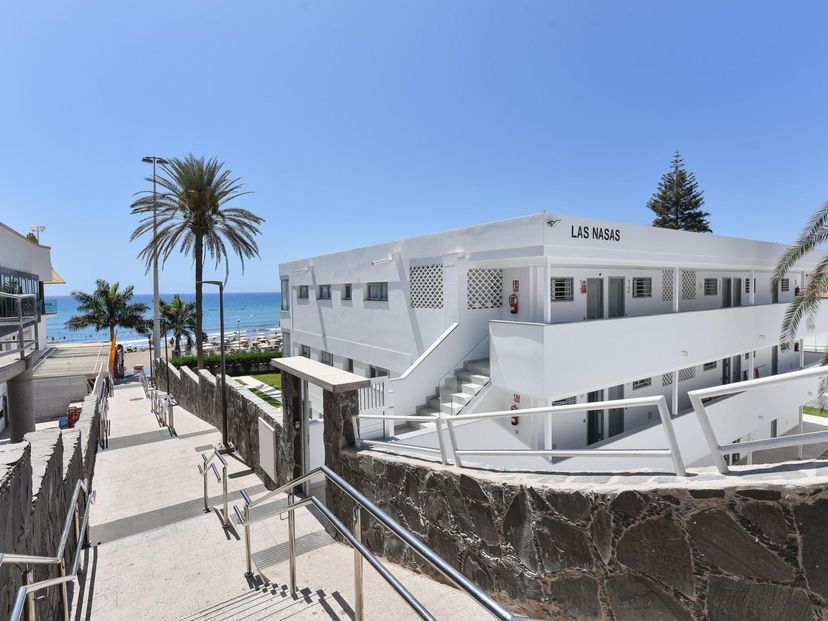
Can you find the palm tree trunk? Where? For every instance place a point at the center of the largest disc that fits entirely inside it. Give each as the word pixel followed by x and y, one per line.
pixel 199 266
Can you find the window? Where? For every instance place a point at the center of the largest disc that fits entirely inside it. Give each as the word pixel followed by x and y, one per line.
pixel 285 294
pixel 711 286
pixel 785 284
pixel 377 371
pixel 642 383
pixel 346 291
pixel 709 366
pixel 348 365
pixel 304 350
pixel 562 290
pixel 747 285
pixel 303 292
pixel 642 288
pixel 323 292
pixel 377 292
pixel 326 358
pixel 567 401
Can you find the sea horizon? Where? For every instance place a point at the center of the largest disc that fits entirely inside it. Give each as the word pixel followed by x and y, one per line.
pixel 252 314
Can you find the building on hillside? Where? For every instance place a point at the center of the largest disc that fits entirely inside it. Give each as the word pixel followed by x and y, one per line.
pixel 546 310
pixel 25 267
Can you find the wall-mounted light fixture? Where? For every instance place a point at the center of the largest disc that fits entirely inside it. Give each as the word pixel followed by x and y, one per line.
pixel 684 352
pixel 307 268
pixel 382 260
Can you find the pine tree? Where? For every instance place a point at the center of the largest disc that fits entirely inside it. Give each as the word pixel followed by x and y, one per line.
pixel 678 201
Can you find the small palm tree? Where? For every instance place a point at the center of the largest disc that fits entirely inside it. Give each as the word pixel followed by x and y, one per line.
pixel 193 218
pixel 805 305
pixel 108 307
pixel 179 317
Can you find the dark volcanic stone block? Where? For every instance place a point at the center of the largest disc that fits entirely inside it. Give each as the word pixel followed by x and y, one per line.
pixel 812 522
pixel 745 600
pixel 725 544
pixel 635 598
pixel 518 530
pixel 601 531
pixel 577 596
pixel 561 545
pixel 657 547
pixel 629 502
pixel 768 519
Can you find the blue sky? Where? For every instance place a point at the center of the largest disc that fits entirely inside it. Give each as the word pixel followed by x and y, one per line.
pixel 361 122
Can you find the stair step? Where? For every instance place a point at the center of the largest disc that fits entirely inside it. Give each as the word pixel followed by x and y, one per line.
pixel 272 602
pixel 477 366
pixel 470 388
pixel 473 378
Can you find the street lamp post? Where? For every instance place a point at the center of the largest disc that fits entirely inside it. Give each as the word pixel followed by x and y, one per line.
pixel 167 358
pixel 238 334
pixel 149 340
pixel 225 444
pixel 156 316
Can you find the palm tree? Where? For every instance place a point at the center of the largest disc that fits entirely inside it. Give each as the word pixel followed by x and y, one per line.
pixel 806 304
pixel 179 317
pixel 193 217
pixel 108 307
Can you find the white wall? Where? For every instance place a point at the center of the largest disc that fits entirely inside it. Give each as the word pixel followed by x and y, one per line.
pixel 18 253
pixel 553 361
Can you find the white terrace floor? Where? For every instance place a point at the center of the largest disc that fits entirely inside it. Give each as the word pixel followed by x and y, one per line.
pixel 157 555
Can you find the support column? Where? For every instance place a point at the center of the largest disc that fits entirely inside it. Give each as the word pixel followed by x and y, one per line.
pixel 547 429
pixel 21 405
pixel 676 289
pixel 752 296
pixel 802 353
pixel 752 364
pixel 546 300
pixel 675 387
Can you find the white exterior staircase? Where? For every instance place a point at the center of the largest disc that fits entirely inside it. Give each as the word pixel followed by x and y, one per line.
pixel 456 390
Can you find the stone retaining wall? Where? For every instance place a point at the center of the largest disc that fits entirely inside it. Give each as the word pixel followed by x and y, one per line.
pixel 199 393
pixel 37 479
pixel 738 552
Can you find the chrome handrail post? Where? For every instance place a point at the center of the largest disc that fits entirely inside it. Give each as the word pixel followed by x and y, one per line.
pixel 248 555
pixel 64 593
pixel 292 544
pixel 204 476
pixel 30 605
pixel 224 494
pixel 357 530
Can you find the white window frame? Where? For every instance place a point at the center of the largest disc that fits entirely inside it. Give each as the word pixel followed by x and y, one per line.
pixel 302 293
pixel 709 366
pixel 305 351
pixel 326 357
pixel 323 292
pixel 785 285
pixel 377 372
pixel 382 296
pixel 642 287
pixel 562 289
pixel 642 383
pixel 714 290
pixel 347 292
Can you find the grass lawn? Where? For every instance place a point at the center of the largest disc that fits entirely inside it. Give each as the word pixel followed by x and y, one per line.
pixel 274 402
pixel 271 379
pixel 807 409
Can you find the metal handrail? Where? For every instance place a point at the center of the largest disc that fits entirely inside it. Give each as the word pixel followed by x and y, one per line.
pixel 203 469
pixel 718 451
pixel 673 451
pixel 360 551
pixel 435 418
pixel 26 591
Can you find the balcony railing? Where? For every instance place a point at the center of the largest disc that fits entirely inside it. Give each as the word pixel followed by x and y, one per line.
pixel 50 307
pixel 18 323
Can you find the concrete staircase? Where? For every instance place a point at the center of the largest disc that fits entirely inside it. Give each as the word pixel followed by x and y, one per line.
pixel 276 603
pixel 454 392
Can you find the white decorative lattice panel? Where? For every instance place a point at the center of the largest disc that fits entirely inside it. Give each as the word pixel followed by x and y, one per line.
pixel 485 288
pixel 426 286
pixel 666 286
pixel 688 285
pixel 686 374
pixel 666 379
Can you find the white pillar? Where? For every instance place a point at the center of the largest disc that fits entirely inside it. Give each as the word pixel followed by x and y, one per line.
pixel 752 363
pixel 802 353
pixel 752 287
pixel 547 430
pixel 675 393
pixel 546 299
pixel 676 289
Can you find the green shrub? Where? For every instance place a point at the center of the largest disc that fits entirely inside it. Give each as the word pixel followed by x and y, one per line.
pixel 240 363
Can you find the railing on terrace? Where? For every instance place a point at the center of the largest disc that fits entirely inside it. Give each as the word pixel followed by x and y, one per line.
pixel 203 469
pixel 353 536
pixel 455 453
pixel 372 401
pixel 699 399
pixel 25 594
pixel 19 312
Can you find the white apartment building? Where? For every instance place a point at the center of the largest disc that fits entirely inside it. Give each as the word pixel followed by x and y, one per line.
pixel 548 309
pixel 25 267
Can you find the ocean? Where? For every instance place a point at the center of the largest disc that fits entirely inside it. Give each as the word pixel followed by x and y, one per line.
pixel 253 314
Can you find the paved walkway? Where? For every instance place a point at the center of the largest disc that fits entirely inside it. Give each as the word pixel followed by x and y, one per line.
pixel 157 555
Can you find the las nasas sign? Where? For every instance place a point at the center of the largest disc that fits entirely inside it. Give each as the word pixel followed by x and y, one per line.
pixel 595 232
